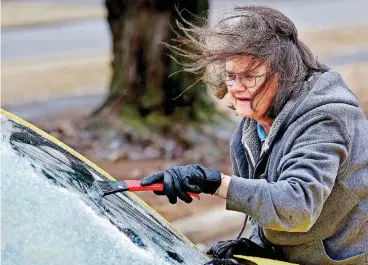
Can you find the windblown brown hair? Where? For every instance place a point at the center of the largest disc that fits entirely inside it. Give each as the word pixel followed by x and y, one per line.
pixel 263 33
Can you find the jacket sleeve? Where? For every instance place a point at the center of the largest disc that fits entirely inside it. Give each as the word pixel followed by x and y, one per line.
pixel 306 176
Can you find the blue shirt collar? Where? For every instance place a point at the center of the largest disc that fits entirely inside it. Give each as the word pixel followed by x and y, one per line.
pixel 261 133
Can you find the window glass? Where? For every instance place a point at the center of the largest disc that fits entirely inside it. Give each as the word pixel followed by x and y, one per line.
pixel 50 216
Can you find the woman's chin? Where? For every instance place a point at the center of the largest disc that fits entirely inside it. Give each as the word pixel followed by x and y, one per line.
pixel 245 113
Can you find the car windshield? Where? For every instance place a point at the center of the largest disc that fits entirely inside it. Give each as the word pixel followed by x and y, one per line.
pixel 49 215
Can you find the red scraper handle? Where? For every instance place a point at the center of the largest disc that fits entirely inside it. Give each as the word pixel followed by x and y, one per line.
pixel 135 185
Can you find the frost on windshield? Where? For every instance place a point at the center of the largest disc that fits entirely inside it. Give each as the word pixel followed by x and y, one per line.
pixel 49 215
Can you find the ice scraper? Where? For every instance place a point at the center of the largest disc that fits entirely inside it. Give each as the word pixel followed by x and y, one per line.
pixel 107 187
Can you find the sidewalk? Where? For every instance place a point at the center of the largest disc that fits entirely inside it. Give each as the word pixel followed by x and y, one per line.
pixel 38 79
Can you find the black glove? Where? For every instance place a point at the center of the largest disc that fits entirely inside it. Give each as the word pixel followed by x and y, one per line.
pixel 222 262
pixel 242 246
pixel 180 179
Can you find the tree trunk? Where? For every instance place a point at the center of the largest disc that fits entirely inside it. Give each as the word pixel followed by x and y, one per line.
pixel 140 88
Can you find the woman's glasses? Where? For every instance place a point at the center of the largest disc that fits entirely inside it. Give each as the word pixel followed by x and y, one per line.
pixel 246 79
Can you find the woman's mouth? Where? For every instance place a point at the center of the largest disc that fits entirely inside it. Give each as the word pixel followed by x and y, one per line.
pixel 242 99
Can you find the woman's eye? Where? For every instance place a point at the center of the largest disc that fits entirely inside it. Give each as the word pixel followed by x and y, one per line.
pixel 231 76
pixel 248 77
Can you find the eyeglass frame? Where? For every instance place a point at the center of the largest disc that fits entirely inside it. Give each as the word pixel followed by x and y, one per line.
pixel 247 75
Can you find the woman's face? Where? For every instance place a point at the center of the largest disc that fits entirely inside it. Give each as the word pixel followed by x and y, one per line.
pixel 243 81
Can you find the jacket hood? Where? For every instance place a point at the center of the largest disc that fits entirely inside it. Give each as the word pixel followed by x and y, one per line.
pixel 319 90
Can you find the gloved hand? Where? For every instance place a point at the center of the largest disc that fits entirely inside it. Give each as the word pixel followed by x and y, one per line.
pixel 242 246
pixel 180 179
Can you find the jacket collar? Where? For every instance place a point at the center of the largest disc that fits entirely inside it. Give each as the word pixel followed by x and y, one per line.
pixel 250 139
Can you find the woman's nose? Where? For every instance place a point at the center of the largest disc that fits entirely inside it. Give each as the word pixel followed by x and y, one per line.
pixel 237 86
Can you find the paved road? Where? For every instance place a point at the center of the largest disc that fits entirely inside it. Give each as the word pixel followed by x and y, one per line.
pixel 66 38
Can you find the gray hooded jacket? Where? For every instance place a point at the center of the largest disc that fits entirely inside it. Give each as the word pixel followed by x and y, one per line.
pixel 306 188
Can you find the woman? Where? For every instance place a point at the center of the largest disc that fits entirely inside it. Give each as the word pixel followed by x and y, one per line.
pixel 300 154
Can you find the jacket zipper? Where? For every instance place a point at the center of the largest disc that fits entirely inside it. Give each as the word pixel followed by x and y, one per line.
pixel 264 151
pixel 258 163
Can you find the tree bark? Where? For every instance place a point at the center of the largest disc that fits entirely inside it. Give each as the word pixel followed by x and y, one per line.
pixel 140 88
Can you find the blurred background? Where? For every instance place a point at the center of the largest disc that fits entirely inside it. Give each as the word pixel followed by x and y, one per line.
pixel 90 72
